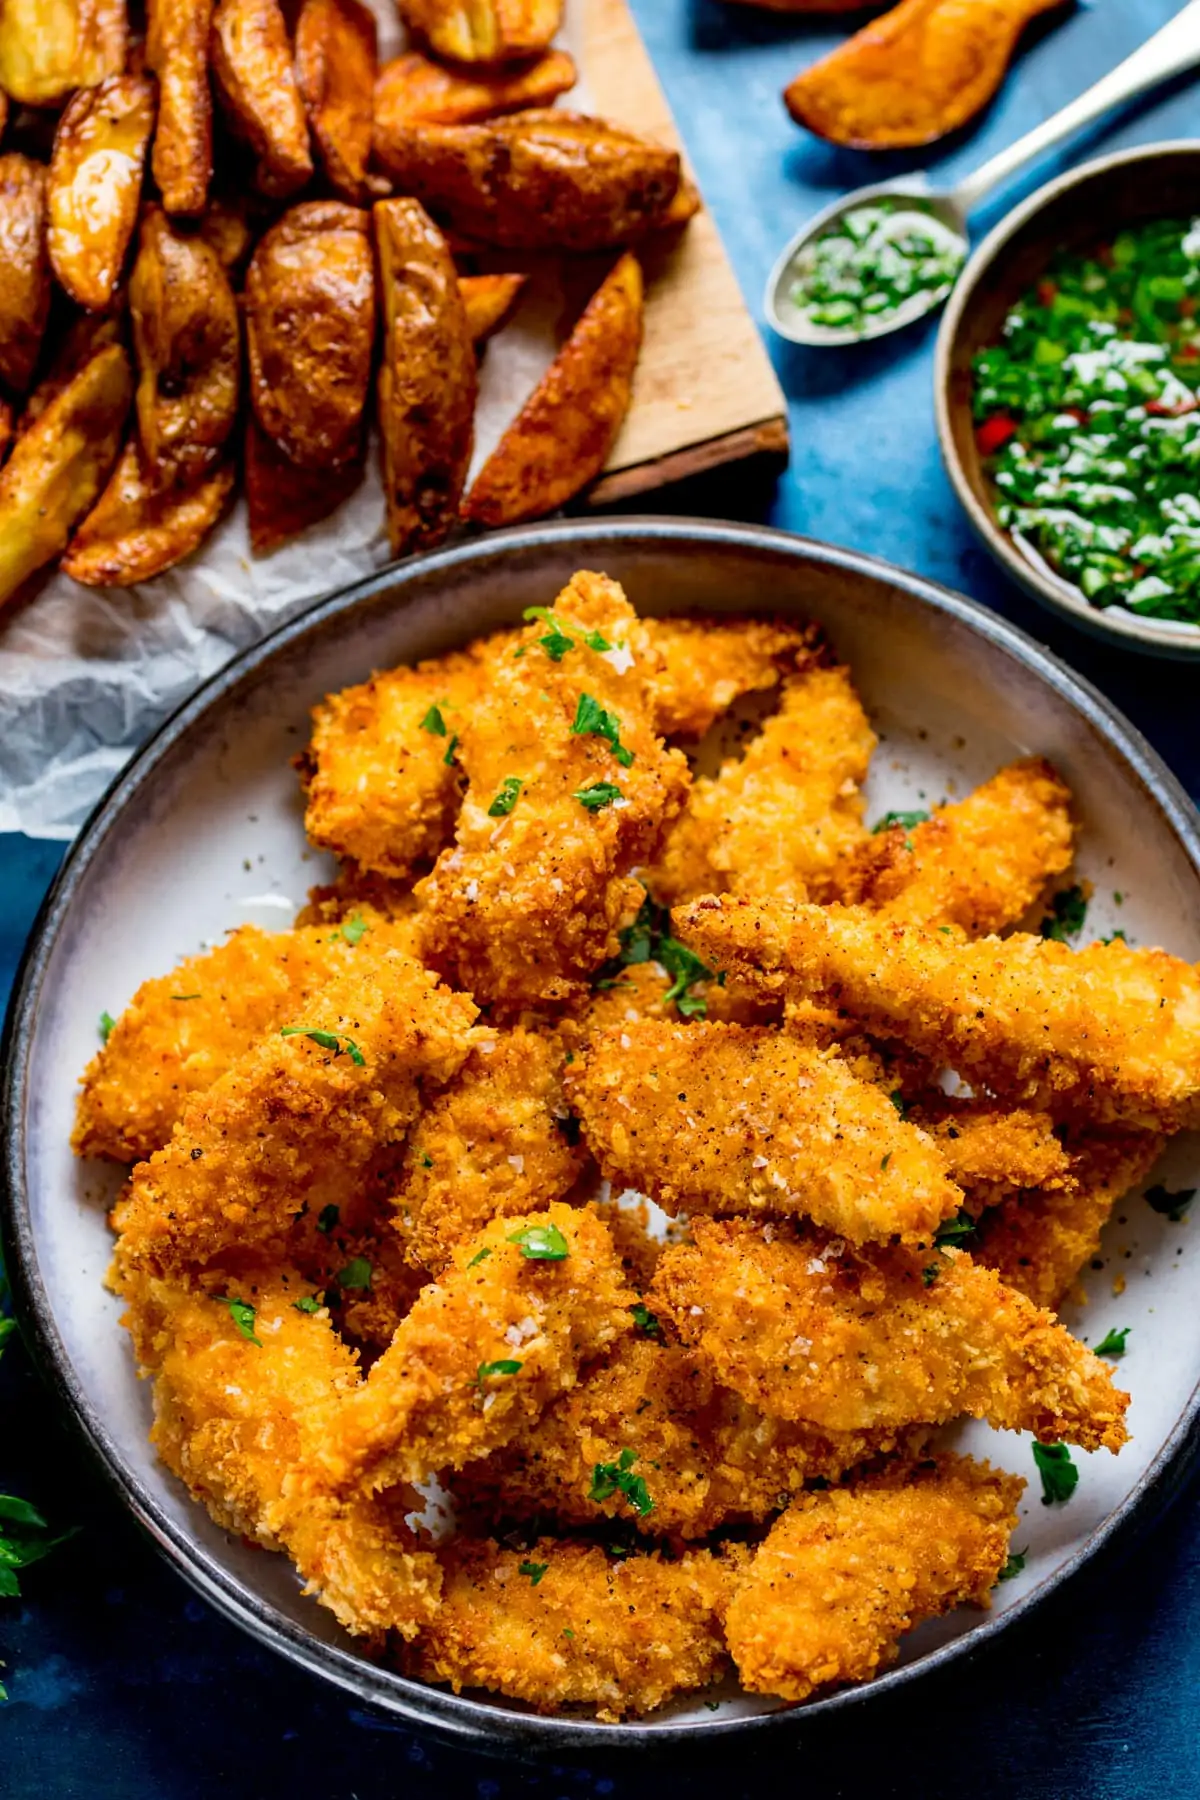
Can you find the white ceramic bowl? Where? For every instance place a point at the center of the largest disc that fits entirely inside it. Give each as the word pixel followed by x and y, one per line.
pixel 204 831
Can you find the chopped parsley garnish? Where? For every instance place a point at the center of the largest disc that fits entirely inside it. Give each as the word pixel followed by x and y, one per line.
pixel 899 1102
pixel 618 1478
pixel 451 747
pixel 905 819
pixel 107 1022
pixel 328 1040
pixel 541 1243
pixel 351 930
pixel 1113 1342
pixel 556 643
pixel 1065 919
pixel 1059 1475
pixel 356 1274
pixel 426 1160
pixel 1173 1205
pixel 600 794
pixel 1015 1565
pixel 645 1320
pixel 930 1273
pixel 649 939
pixel 308 1303
pixel 535 1571
pixel 329 1217
pixel 955 1232
pixel 567 1632
pixel 506 799
pixel 434 722
pixel 185 996
pixel 1113 936
pixel 242 1314
pixel 506 1366
pixel 885 1161
pixel 480 1256
pixel 591 720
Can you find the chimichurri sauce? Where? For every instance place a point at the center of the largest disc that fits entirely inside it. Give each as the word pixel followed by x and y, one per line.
pixel 871 262
pixel 1088 419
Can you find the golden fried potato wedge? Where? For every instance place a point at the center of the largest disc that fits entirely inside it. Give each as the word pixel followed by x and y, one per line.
pixel 561 438
pixel 86 335
pixel 335 72
pixel 427 378
pixel 310 331
pixel 414 90
pixel 185 332
pixel 95 181
pixel 283 499
pixel 49 47
pixel 483 31
pixel 541 180
pixel 177 52
pixel 59 465
pixel 24 268
pixel 252 63
pixel 227 228
pixel 489 300
pixel 8 426
pixel 134 532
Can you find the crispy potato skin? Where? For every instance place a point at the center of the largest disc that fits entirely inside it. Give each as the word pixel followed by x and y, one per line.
pixel 805 1328
pixel 561 438
pixel 186 334
pixel 544 179
pixel 620 1635
pixel 252 64
pixel 283 499
pixel 136 530
pixel 95 182
pixel 427 378
pixel 488 301
pixel 843 1575
pixel 414 90
pixel 483 31
pixel 913 75
pixel 177 52
pixel 310 332
pixel 25 290
pixel 228 228
pixel 59 465
pixel 49 47
pixel 335 75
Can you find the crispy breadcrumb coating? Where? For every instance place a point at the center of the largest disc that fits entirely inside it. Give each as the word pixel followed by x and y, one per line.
pixel 806 1328
pixel 1112 1031
pixel 496 1141
pixel 359 893
pixel 707 664
pixel 444 1392
pixel 529 899
pixel 182 1031
pixel 717 1118
pixel 621 1635
pixel 239 1420
pixel 704 1456
pixel 296 1124
pixel 1038 1242
pixel 991 1150
pixel 979 864
pixel 843 1575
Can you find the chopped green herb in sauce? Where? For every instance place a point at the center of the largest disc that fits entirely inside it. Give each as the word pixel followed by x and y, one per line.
pixel 1088 420
pixel 871 263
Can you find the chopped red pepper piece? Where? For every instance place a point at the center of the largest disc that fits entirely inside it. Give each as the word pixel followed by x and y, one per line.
pixel 994 433
pixel 1160 410
pixel 1046 292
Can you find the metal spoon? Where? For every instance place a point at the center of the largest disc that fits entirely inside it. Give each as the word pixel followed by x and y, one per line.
pixel 1170 51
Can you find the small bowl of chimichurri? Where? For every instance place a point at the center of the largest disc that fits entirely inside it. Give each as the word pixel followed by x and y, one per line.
pixel 1068 394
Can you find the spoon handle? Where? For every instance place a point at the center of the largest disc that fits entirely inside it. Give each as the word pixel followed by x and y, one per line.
pixel 1175 48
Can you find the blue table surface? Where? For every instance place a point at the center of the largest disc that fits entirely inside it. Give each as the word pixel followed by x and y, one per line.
pixel 123 1685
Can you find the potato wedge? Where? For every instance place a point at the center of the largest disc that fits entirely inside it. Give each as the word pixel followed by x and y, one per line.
pixel 228 228
pixel 335 73
pixel 427 378
pixel 8 427
pixel 85 337
pixel 95 183
pixel 59 465
pixel 185 332
pixel 541 180
pixel 177 52
pixel 49 47
pixel 483 31
pixel 913 74
pixel 283 499
pixel 310 331
pixel 488 299
pixel 252 63
pixel 561 438
pixel 25 287
pixel 134 532
pixel 413 90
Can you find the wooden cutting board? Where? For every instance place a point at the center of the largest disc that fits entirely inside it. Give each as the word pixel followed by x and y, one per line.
pixel 705 392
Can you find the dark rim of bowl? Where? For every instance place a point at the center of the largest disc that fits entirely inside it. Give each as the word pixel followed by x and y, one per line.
pixel 1181 647
pixel 458 1718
